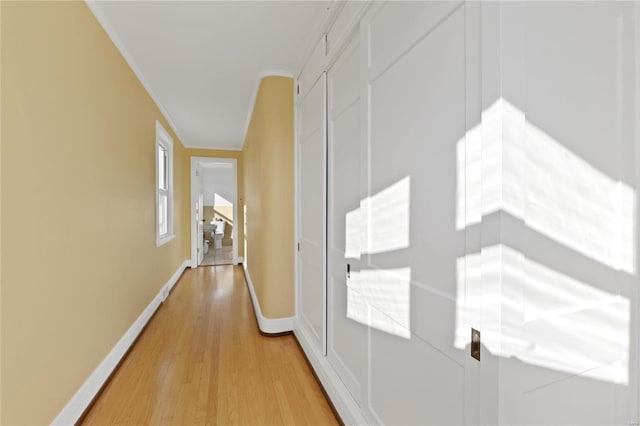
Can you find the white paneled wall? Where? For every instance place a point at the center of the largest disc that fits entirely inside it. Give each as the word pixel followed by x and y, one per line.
pixel 347 332
pixel 311 153
pixel 569 298
pixel 472 165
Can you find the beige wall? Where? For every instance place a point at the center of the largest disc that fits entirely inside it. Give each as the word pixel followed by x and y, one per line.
pixel 269 197
pixel 78 135
pixel 0 216
pixel 208 213
pixel 219 153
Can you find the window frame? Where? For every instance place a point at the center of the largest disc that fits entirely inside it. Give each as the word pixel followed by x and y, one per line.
pixel 164 141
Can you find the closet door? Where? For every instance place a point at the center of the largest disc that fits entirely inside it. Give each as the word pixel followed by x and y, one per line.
pixel 412 276
pixel 347 312
pixel 570 304
pixel 312 212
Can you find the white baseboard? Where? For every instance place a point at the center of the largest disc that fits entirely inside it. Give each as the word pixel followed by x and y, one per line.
pixel 342 400
pixel 267 325
pixel 238 260
pixel 166 289
pixel 83 397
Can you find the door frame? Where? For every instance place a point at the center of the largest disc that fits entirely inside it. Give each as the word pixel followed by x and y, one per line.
pixel 301 322
pixel 195 189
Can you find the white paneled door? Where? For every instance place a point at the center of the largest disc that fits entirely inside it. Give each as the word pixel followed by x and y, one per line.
pixel 347 314
pixel 401 99
pixel 312 212
pixel 412 275
pixel 480 166
pixel 569 326
pixel 199 225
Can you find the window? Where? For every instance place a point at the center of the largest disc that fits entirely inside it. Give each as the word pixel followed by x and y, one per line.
pixel 164 186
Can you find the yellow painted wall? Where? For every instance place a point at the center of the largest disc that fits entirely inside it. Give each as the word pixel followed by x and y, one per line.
pixel 0 217
pixel 208 214
pixel 269 197
pixel 220 153
pixel 78 136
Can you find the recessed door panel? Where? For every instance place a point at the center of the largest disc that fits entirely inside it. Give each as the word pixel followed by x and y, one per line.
pixel 311 207
pixel 410 277
pixel 396 25
pixel 347 344
pixel 413 383
pixel 570 322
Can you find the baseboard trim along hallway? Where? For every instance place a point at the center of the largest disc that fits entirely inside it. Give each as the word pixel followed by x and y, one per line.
pixel 266 325
pixel 342 401
pixel 202 360
pixel 82 399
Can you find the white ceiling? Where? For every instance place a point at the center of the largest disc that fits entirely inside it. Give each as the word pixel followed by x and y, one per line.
pixel 201 61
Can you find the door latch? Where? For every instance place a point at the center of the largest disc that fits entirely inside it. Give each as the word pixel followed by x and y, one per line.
pixel 475 344
pixel 348 271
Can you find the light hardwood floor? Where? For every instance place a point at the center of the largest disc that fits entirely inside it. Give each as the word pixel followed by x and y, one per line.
pixel 201 360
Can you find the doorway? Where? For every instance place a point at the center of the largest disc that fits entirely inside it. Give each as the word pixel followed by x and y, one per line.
pixel 214 211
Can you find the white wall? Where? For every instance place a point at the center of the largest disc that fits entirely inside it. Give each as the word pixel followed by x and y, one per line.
pixel 482 172
pixel 217 180
pixel 569 278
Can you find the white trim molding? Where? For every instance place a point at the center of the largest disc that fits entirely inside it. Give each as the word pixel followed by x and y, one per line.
pixel 637 145
pixel 102 20
pixel 81 400
pixel 342 400
pixel 164 141
pixel 266 325
pixel 213 147
pixel 321 26
pixel 194 189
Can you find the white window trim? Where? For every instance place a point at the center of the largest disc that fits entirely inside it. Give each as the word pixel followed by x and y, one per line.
pixel 163 139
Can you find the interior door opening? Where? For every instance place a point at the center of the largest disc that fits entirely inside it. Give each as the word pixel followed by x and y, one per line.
pixel 214 212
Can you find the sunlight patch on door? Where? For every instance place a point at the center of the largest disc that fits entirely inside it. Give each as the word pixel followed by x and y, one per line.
pixel 575 204
pixel 380 298
pixel 527 310
pixel 543 317
pixel 469 178
pixel 567 199
pixel 353 220
pixel 388 218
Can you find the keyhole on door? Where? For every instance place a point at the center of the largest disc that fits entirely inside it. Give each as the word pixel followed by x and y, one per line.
pixel 348 271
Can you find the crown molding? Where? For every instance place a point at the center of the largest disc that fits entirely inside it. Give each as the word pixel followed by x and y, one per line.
pixel 103 21
pixel 213 148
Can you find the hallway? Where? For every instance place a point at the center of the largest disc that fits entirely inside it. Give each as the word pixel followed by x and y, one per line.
pixel 201 360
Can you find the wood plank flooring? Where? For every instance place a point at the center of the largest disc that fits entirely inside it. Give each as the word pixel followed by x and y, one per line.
pixel 201 360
